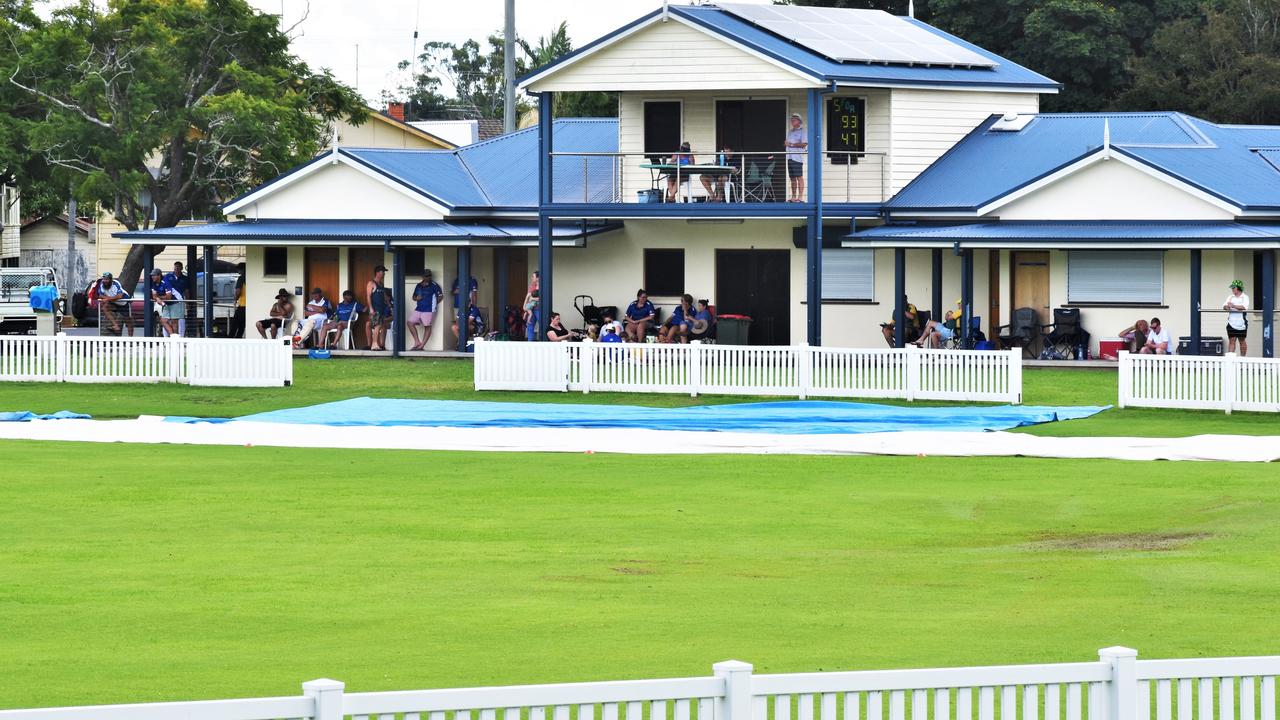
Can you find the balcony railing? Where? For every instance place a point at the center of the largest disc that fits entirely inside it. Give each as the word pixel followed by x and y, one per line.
pixel 746 177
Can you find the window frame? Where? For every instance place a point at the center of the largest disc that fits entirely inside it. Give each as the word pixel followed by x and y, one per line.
pixel 828 254
pixel 657 289
pixel 267 261
pixel 644 126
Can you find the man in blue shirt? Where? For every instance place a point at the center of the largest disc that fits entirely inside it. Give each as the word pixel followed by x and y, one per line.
pixel 168 302
pixel 180 282
pixel 427 294
pixel 475 323
pixel 639 315
pixel 475 292
pixel 342 316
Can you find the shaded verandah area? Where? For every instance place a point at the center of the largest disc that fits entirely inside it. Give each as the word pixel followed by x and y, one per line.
pixel 1194 237
pixel 393 237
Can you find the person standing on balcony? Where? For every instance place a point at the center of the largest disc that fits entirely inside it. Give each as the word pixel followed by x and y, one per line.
pixel 797 143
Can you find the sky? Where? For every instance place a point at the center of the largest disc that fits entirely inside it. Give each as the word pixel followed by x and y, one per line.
pixel 383 29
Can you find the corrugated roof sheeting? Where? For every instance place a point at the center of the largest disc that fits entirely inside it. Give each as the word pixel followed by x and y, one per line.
pixel 265 231
pixel 1085 230
pixel 987 165
pixel 1006 72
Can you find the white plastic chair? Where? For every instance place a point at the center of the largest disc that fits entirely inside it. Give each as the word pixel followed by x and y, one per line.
pixel 344 340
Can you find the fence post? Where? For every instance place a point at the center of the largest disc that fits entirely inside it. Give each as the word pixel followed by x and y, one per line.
pixel 586 363
pixel 694 371
pixel 1125 377
pixel 912 370
pixel 736 703
pixel 328 698
pixel 61 351
pixel 804 373
pixel 1122 701
pixel 1229 366
pixel 286 358
pixel 1015 374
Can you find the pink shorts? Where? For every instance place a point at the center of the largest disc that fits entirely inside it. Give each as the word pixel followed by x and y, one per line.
pixel 420 318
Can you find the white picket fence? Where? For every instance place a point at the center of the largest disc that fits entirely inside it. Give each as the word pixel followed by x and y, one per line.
pixel 194 361
pixel 796 371
pixel 1200 382
pixel 1117 686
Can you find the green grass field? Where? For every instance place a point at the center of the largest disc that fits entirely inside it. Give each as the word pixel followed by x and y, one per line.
pixel 136 573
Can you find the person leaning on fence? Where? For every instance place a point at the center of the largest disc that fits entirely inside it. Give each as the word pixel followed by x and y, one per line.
pixel 281 312
pixel 168 301
pixel 1158 340
pixel 1237 322
pixel 181 282
pixel 640 314
pixel 676 328
pixel 315 314
pixel 909 333
pixel 114 303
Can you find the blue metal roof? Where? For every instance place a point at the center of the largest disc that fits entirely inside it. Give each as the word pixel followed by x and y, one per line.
pixel 989 164
pixel 393 232
pixel 1006 74
pixel 1123 233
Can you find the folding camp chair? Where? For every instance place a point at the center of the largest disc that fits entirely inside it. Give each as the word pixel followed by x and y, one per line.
pixel 1023 331
pixel 757 186
pixel 1066 336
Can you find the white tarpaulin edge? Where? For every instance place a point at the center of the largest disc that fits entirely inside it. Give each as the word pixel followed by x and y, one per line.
pixel 153 430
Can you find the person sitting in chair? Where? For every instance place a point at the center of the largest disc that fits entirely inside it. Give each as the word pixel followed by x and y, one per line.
pixel 715 182
pixel 1158 341
pixel 281 313
pixel 676 328
pixel 475 323
pixel 910 332
pixel 342 316
pixel 677 177
pixel 556 331
pixel 937 334
pixel 704 322
pixel 639 315
pixel 314 316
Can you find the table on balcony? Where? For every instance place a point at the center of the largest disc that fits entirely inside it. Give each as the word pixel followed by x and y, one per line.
pixel 659 171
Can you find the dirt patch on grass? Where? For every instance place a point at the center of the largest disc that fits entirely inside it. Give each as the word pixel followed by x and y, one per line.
pixel 627 570
pixel 1108 542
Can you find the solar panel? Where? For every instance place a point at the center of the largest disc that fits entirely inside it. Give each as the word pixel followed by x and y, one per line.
pixel 867 36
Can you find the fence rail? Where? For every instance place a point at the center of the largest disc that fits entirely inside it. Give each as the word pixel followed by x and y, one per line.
pixel 798 370
pixel 193 361
pixel 1117 686
pixel 1199 382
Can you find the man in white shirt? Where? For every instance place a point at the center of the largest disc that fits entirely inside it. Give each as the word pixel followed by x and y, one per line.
pixel 1158 342
pixel 1237 324
pixel 314 316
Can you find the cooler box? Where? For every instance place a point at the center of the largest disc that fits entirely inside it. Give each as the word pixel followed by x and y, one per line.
pixel 733 329
pixel 1208 345
pixel 1110 346
pixel 43 298
pixel 648 196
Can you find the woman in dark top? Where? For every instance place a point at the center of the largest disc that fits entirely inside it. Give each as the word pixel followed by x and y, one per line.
pixel 557 332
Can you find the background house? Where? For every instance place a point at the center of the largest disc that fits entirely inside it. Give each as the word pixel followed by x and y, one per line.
pixel 44 244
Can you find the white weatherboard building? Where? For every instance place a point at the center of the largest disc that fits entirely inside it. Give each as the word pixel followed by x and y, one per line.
pixel 928 172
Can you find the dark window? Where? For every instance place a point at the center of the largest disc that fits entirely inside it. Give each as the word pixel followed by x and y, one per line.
pixel 751 125
pixel 664 272
pixel 846 126
pixel 415 259
pixel 661 128
pixel 275 261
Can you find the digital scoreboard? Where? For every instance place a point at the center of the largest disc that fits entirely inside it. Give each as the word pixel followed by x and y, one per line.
pixel 846 128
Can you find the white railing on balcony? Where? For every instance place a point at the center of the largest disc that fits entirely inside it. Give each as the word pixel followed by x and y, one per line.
pixel 739 177
pixel 1117 686
pixel 194 361
pixel 797 371
pixel 1200 382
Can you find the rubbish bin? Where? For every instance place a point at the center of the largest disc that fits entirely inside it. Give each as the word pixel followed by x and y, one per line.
pixel 44 303
pixel 732 329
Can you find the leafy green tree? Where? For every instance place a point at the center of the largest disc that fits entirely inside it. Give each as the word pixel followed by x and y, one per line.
pixel 1224 66
pixel 567 104
pixel 169 106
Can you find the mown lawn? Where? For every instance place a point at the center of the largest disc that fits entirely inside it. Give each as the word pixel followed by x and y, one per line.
pixel 339 379
pixel 134 573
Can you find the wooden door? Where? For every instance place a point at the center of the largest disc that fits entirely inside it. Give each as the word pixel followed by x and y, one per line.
pixel 993 293
pixel 515 263
pixel 360 267
pixel 322 272
pixel 1029 284
pixel 756 283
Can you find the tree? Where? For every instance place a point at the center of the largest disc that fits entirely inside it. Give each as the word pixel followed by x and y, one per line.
pixel 1224 66
pixel 19 164
pixel 568 104
pixel 158 109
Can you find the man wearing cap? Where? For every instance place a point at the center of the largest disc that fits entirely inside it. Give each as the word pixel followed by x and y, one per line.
pixel 179 281
pixel 114 303
pixel 281 312
pixel 427 294
pixel 797 142
pixel 1237 322
pixel 168 300
pixel 314 315
pixel 380 312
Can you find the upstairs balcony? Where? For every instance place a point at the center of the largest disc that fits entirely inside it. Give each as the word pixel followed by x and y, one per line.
pixel 738 184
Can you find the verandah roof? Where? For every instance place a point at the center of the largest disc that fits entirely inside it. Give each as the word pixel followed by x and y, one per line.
pixel 1096 234
pixel 388 233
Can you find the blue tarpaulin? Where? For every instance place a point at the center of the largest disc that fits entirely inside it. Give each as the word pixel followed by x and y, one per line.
pixel 790 417
pixel 25 416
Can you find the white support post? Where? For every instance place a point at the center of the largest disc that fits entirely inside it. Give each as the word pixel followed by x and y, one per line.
pixel 328 698
pixel 736 703
pixel 804 373
pixel 1126 377
pixel 587 365
pixel 1122 701
pixel 913 371
pixel 694 371
pixel 1015 374
pixel 172 351
pixel 61 353
pixel 1230 366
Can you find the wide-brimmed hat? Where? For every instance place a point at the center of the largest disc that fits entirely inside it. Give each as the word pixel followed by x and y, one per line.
pixel 284 293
